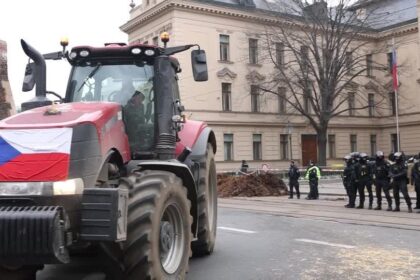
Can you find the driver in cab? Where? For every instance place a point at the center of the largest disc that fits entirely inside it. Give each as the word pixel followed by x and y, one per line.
pixel 134 117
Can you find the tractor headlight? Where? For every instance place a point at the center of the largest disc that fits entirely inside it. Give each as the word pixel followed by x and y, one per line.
pixel 68 187
pixel 149 52
pixel 72 186
pixel 25 188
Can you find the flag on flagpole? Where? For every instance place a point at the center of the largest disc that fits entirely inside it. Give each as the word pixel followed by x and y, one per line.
pixel 394 69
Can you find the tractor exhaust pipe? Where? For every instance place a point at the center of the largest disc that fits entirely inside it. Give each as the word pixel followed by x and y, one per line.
pixel 40 70
pixel 40 78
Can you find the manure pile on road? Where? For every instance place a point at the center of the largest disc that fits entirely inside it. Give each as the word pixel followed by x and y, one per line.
pixel 250 185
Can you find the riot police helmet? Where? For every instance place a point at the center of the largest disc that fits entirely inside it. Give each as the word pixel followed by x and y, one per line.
pixel 380 155
pixel 398 156
pixel 347 158
pixel 363 156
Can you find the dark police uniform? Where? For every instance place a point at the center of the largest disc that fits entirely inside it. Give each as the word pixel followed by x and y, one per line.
pixel 381 170
pixel 348 181
pixel 415 180
pixel 365 180
pixel 398 173
pixel 294 175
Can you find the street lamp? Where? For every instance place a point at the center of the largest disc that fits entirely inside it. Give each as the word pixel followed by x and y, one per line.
pixel 289 128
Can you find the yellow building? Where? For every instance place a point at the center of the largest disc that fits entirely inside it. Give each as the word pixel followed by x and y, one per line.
pixel 258 128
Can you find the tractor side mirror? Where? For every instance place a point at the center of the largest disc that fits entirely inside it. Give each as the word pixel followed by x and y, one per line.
pixel 199 65
pixel 29 79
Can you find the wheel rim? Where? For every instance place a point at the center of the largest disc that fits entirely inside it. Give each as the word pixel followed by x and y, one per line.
pixel 171 239
pixel 211 197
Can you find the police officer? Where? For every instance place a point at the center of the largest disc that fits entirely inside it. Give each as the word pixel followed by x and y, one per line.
pixel 398 173
pixel 364 175
pixel 313 174
pixel 294 175
pixel 348 179
pixel 381 170
pixel 415 180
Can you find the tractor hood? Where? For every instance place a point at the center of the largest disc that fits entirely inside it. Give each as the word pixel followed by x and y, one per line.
pixel 64 115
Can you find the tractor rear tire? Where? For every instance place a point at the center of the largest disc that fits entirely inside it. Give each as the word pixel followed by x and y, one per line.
pixel 207 206
pixel 159 227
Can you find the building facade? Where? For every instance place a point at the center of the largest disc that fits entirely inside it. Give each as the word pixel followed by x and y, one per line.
pixel 6 101
pixel 260 128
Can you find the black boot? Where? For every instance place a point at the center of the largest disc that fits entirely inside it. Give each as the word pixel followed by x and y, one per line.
pixel 349 206
pixel 360 206
pixel 389 208
pixel 370 206
pixel 379 207
pixel 290 197
pixel 396 209
pixel 410 210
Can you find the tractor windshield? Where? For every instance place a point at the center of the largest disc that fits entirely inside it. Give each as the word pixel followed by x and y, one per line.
pixel 131 85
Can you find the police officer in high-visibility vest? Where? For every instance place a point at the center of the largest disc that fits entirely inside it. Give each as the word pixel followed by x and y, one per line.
pixel 313 174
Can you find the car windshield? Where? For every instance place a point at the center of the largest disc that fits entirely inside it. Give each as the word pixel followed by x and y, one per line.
pixel 128 84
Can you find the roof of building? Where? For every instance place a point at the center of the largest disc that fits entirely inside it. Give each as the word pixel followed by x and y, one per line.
pixel 384 14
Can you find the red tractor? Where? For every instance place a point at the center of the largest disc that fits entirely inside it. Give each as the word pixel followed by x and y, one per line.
pixel 114 164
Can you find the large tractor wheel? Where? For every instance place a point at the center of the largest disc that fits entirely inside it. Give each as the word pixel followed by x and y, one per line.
pixel 159 227
pixel 207 206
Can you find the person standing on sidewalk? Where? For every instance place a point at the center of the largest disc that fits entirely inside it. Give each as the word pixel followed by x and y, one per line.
pixel 294 175
pixel 381 170
pixel 415 180
pixel 398 173
pixel 313 174
pixel 348 180
pixel 365 180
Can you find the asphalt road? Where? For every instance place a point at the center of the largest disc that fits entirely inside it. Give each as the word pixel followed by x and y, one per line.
pixel 264 245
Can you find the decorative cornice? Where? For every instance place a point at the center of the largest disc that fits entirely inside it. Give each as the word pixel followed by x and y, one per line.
pixel 226 72
pixel 371 86
pixel 255 77
pixel 352 85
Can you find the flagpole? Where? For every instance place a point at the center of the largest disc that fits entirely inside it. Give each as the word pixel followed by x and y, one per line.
pixel 397 119
pixel 395 83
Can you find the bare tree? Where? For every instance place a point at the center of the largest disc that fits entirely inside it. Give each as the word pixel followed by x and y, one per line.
pixel 323 57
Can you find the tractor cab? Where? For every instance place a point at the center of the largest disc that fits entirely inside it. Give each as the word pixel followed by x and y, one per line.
pixel 141 78
pixel 122 77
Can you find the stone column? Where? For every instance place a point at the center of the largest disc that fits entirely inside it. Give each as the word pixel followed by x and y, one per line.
pixel 6 101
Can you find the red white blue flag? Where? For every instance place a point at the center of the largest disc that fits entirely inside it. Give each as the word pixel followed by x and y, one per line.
pixel 394 69
pixel 35 154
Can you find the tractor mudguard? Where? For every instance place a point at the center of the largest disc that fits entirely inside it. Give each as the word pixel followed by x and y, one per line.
pixel 200 147
pixel 184 173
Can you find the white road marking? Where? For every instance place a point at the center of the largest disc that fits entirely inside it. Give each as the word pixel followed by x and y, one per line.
pixel 237 230
pixel 326 243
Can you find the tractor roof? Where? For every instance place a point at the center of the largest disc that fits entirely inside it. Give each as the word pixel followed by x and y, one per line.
pixel 113 51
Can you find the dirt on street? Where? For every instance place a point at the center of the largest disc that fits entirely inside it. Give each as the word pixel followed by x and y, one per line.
pixel 250 185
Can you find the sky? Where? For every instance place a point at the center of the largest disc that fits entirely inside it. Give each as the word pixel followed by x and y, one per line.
pixel 43 22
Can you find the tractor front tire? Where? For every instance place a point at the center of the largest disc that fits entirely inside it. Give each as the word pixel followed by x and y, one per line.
pixel 159 227
pixel 207 206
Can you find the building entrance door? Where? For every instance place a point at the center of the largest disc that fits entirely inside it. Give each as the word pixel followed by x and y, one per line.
pixel 309 149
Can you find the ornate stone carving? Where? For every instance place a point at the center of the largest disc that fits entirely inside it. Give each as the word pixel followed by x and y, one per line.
pixel 254 76
pixel 226 73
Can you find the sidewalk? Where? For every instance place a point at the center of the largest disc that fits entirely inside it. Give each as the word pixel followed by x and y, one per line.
pixel 334 187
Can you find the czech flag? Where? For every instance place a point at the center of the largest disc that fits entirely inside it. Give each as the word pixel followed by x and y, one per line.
pixel 394 69
pixel 35 154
